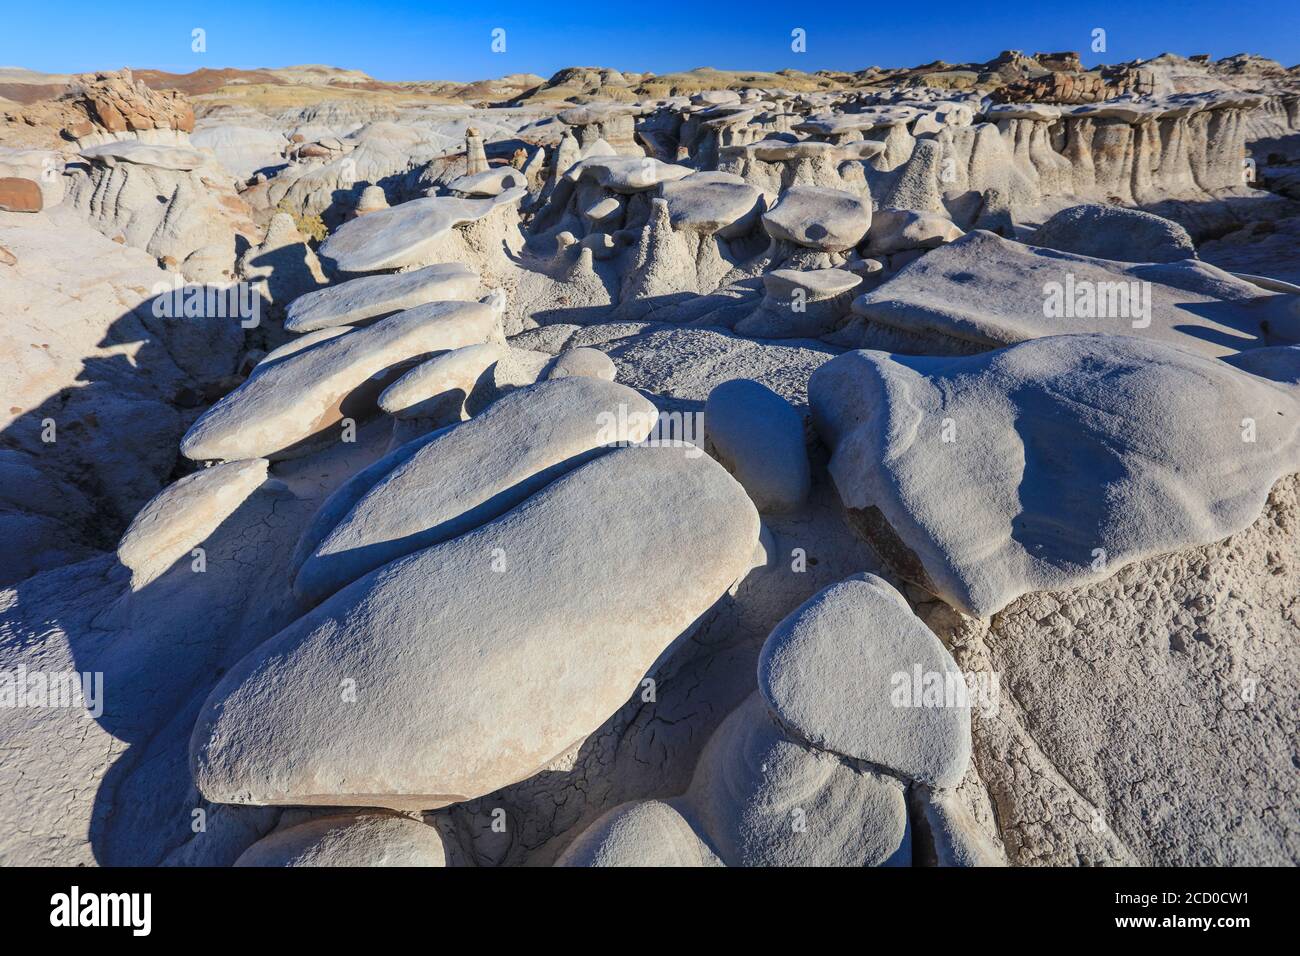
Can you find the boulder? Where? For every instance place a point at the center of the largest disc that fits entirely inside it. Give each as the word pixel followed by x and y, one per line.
pixel 473 473
pixel 301 398
pixel 362 300
pixel 1050 464
pixel 1113 232
pixel 182 515
pixel 591 363
pixel 438 388
pixel 758 437
pixel 852 670
pixel 477 662
pixel 830 220
pixel 371 839
pixel 20 195
pixel 893 230
pixel 406 234
pixel 765 800
pixel 652 833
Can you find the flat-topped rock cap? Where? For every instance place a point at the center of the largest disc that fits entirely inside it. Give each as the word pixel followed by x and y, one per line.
pixel 850 670
pixel 183 514
pixel 364 299
pixel 178 158
pixel 712 202
pixel 403 235
pixel 627 174
pixel 819 218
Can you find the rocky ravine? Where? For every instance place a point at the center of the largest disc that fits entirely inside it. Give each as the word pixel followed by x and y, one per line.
pixel 896 470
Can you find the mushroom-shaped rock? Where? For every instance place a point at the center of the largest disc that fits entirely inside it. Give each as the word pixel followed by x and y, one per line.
pixel 481 660
pixel 854 671
pixel 590 363
pixel 819 218
pixel 303 396
pixel 491 183
pixel 650 833
pixel 893 230
pixel 372 297
pixel 712 202
pixel 1070 457
pixel 405 234
pixel 438 387
pixel 801 303
pixel 475 472
pixel 758 437
pixel 763 799
pixel 1113 232
pixel 627 174
pixel 369 839
pixel 182 516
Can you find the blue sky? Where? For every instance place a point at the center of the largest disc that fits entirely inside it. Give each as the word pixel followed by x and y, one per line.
pixel 437 39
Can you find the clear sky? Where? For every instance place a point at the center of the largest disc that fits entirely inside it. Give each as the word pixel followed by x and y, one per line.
pixel 438 39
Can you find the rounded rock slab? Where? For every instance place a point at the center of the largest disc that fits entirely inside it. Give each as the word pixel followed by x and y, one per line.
pixel 479 661
pixel 184 514
pixel 855 672
pixel 372 839
pixel 650 833
pixel 816 217
pixel 363 300
pixel 759 437
pixel 583 362
pixel 762 799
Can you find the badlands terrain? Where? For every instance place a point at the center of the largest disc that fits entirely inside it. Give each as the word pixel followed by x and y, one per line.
pixel 896 467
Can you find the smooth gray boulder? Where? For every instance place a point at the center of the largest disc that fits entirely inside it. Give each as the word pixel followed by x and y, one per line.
pixel 300 399
pixel 651 833
pixel 1114 232
pixel 183 514
pixel 475 663
pixel 474 472
pixel 712 202
pixel 831 220
pixel 765 800
pixel 438 388
pixel 854 671
pixel 406 234
pixel 894 230
pixel 759 437
pixel 358 301
pixel 986 292
pixel 371 839
pixel 583 362
pixel 1050 464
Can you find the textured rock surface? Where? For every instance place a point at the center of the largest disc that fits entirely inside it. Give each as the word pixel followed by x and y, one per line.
pixel 956 468
pixel 438 716
pixel 363 840
pixel 475 472
pixel 301 397
pixel 1112 232
pixel 373 297
pixel 853 671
